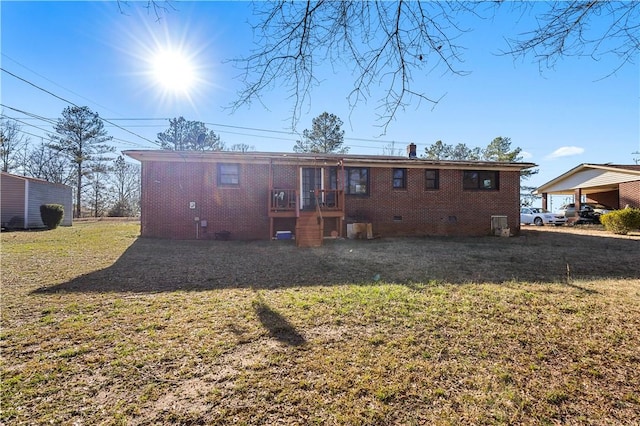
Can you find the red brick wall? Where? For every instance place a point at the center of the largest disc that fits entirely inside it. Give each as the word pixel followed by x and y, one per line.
pixel 285 177
pixel 450 210
pixel 609 198
pixel 630 194
pixel 168 187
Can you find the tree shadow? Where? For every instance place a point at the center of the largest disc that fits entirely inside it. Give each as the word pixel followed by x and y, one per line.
pixel 155 265
pixel 279 328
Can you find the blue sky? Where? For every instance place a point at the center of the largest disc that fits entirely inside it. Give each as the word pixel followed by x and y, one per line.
pixel 94 54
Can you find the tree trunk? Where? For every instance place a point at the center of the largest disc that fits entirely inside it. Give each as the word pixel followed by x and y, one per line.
pixel 78 191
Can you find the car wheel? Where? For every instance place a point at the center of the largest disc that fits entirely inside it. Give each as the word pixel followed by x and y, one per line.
pixel 538 221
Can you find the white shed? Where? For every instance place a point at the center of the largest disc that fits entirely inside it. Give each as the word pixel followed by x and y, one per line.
pixel 21 198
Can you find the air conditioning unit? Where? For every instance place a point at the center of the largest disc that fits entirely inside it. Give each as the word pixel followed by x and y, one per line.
pixel 500 226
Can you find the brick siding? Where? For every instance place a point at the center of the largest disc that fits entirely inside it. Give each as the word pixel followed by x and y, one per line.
pixel 630 194
pixel 169 187
pixel 449 210
pixel 608 198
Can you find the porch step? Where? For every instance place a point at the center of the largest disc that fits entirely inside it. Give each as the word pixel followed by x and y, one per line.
pixel 309 230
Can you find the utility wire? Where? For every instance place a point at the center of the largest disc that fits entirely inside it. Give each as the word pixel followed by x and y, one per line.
pixel 69 102
pixel 25 123
pixel 51 122
pixel 31 115
pixel 54 83
pixel 111 120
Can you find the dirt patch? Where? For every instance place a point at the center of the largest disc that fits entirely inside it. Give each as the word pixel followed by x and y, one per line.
pixel 589 230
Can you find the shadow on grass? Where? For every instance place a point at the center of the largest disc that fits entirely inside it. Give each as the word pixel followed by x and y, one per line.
pixel 154 265
pixel 279 328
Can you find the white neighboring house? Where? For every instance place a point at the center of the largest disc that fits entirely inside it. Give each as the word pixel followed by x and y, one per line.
pixel 539 216
pixel 613 185
pixel 21 198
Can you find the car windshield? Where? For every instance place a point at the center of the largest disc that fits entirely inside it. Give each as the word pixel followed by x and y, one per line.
pixel 539 210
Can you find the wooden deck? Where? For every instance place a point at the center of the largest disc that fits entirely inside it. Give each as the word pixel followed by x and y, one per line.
pixel 309 229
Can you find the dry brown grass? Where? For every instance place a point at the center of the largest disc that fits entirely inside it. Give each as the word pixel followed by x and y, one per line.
pixel 100 327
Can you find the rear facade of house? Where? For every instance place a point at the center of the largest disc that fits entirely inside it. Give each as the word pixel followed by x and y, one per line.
pixel 251 195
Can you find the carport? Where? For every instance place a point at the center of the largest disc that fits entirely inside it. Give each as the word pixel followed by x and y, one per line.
pixel 613 185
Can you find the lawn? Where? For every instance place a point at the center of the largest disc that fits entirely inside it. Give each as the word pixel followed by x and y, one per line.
pixel 102 327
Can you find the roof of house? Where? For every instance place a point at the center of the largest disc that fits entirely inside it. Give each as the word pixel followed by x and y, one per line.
pixel 591 178
pixel 312 159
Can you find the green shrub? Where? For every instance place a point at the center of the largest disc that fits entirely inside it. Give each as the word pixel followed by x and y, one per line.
pixel 621 221
pixel 51 215
pixel 121 209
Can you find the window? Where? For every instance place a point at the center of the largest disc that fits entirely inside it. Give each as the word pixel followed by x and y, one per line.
pixel 228 174
pixel 431 179
pixel 479 179
pixel 357 180
pixel 399 178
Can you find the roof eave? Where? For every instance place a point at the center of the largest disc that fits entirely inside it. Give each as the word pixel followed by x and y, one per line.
pixel 541 189
pixel 315 159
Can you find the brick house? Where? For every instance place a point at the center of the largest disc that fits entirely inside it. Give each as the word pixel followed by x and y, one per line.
pixel 253 195
pixel 613 185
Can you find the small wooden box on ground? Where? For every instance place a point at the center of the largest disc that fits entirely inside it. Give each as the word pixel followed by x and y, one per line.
pixel 359 231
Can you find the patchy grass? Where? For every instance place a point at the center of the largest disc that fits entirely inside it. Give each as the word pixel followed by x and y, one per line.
pixel 100 327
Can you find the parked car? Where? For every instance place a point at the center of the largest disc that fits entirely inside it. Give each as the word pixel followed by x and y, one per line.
pixel 589 212
pixel 570 209
pixel 539 217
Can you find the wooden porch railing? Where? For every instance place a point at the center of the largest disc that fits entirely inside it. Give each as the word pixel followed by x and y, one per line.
pixel 330 199
pixel 281 200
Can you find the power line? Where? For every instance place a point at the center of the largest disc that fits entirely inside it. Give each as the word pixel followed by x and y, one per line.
pixel 219 125
pixel 256 129
pixel 53 82
pixel 69 102
pixel 29 114
pixel 24 122
pixel 35 116
pixel 34 135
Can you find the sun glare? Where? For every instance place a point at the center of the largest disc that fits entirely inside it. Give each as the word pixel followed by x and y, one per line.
pixel 173 71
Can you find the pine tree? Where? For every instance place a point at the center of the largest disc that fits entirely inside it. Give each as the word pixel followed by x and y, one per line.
pixel 325 136
pixel 186 135
pixel 80 136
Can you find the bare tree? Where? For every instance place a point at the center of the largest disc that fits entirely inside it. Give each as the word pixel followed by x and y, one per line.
pixel 43 162
pixel 11 142
pixel 381 43
pixel 96 189
pixel 581 28
pixel 242 147
pixel 159 7
pixel 125 182
pixel 387 44
pixel 391 150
